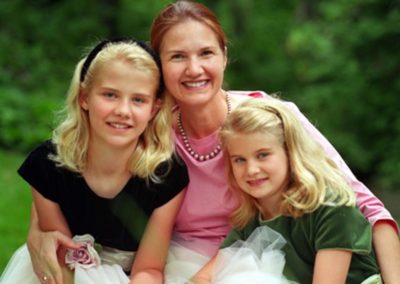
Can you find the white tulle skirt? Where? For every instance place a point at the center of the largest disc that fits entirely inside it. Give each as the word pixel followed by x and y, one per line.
pixel 259 259
pixel 182 264
pixel 19 270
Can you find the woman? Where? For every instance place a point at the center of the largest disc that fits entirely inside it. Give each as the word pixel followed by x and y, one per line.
pixel 193 51
pixel 109 171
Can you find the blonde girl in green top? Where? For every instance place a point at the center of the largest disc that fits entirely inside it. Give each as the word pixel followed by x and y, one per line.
pixel 285 181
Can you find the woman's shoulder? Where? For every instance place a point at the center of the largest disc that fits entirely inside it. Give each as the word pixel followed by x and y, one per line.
pixel 238 97
pixel 244 94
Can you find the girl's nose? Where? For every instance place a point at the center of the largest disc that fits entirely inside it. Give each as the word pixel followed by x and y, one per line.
pixel 122 108
pixel 252 168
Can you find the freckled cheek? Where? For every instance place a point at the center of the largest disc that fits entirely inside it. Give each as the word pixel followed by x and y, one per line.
pixel 102 109
pixel 171 75
pixel 144 115
pixel 217 69
pixel 239 175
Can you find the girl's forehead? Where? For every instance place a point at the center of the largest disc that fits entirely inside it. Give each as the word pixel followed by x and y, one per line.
pixel 252 140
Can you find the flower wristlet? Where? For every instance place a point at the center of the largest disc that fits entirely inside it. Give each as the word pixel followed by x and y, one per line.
pixel 86 256
pixel 87 267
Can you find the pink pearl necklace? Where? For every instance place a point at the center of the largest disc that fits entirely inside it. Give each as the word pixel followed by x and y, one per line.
pixel 186 142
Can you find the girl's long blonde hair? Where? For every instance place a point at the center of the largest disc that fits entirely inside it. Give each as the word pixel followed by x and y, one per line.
pixel 71 136
pixel 314 178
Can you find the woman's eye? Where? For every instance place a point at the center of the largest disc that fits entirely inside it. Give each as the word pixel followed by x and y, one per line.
pixel 177 57
pixel 207 53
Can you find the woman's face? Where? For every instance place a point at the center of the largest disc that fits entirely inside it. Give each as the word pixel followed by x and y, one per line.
pixel 193 63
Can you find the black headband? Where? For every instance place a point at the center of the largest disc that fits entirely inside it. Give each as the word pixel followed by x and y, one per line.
pixel 93 53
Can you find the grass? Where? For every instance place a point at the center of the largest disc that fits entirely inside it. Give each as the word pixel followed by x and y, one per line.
pixel 15 203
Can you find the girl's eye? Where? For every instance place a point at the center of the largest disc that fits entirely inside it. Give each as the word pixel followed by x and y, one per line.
pixel 263 155
pixel 109 95
pixel 138 100
pixel 238 160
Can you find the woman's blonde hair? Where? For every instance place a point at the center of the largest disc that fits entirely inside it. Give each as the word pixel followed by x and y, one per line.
pixel 314 179
pixel 71 136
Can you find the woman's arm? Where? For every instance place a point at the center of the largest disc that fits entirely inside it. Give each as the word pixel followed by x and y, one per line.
pixel 331 266
pixel 42 245
pixel 149 263
pixel 371 207
pixel 387 249
pixel 203 276
pixel 385 233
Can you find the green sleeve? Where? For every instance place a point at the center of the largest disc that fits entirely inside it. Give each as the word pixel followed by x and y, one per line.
pixel 341 227
pixel 236 234
pixel 233 236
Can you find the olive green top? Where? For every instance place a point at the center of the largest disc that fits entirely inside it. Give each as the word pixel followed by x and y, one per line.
pixel 329 227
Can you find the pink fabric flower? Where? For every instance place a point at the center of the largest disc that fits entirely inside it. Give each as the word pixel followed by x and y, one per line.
pixel 86 256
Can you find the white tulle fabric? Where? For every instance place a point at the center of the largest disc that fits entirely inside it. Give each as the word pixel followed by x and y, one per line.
pixel 102 274
pixel 19 270
pixel 182 264
pixel 259 259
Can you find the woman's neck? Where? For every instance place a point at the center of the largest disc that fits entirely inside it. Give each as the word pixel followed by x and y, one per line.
pixel 201 121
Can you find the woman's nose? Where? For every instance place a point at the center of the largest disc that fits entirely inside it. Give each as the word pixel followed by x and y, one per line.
pixel 194 67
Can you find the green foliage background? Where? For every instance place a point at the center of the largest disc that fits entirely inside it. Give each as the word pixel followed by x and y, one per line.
pixel 337 60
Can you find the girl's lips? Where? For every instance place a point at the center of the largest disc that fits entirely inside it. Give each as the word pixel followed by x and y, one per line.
pixel 256 182
pixel 118 125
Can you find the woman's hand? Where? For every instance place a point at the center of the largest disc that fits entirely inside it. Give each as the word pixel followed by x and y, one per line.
pixel 44 248
pixel 387 250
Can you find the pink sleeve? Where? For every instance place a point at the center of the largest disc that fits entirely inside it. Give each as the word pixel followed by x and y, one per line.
pixel 372 208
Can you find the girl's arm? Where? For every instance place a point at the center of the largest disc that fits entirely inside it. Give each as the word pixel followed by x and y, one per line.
pixel 203 276
pixel 44 241
pixel 331 266
pixel 387 250
pixel 148 267
pixel 50 217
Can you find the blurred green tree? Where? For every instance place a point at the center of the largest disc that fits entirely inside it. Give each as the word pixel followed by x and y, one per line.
pixel 338 60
